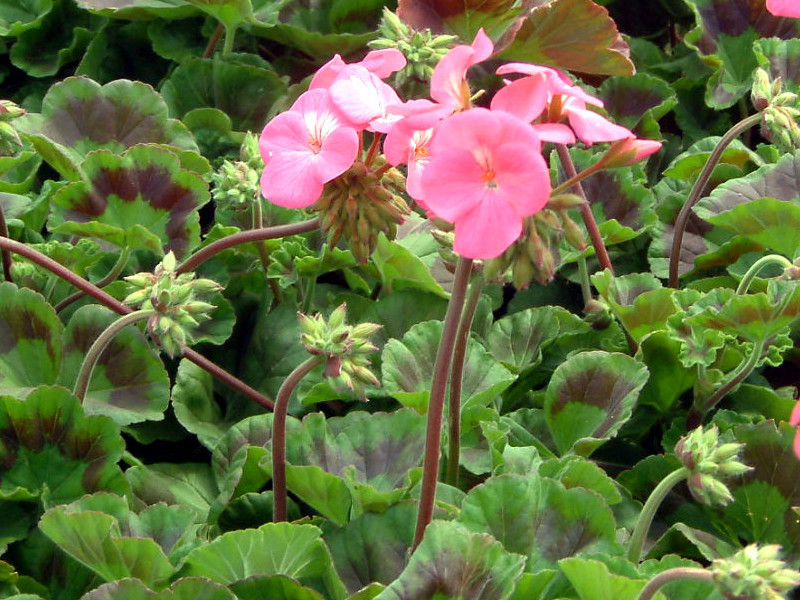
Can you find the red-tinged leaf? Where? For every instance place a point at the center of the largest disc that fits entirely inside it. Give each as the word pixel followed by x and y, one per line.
pixel 573 35
pixel 460 17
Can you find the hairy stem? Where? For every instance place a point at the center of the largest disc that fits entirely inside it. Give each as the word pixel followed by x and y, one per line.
pixel 245 237
pixel 586 210
pixel 754 270
pixel 649 509
pixel 697 190
pixel 441 370
pixel 279 434
pixel 110 302
pixel 100 344
pixel 457 380
pixel 110 276
pixel 676 574
pixel 736 377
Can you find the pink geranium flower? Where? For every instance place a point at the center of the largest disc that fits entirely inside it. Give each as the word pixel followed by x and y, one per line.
pixel 364 99
pixel 784 8
pixel 485 174
pixel 449 80
pixel 380 63
pixel 304 148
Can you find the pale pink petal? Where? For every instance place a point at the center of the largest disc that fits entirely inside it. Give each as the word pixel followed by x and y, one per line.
pixel 287 131
pixel 482 46
pixel 414 180
pixel 327 73
pixel 483 128
pixel 339 150
pixel 291 181
pixel 591 127
pixel 784 8
pixel 487 230
pixel 362 97
pixel 554 132
pixel 383 63
pixel 524 98
pixel 628 151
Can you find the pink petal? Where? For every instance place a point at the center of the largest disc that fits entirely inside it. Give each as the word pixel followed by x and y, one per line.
pixel 452 184
pixel 286 132
pixel 383 63
pixel 291 181
pixel 448 83
pixel 523 179
pixel 591 127
pixel 628 151
pixel 483 128
pixel 337 154
pixel 797 443
pixel 327 73
pixel 784 8
pixel 795 418
pixel 524 98
pixel 487 231
pixel 554 132
pixel 361 96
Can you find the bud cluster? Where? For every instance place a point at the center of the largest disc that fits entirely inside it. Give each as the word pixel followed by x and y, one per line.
pixel 360 203
pixel 422 49
pixel 779 109
pixel 346 348
pixel 535 256
pixel 709 462
pixel 9 138
pixel 754 573
pixel 173 297
pixel 237 183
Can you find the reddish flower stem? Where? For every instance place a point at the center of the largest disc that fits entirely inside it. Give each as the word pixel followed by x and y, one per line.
pixel 279 435
pixel 6 254
pixel 697 190
pixel 586 210
pixel 245 237
pixel 675 574
pixel 441 369
pixel 373 148
pixel 457 381
pixel 213 41
pixel 109 301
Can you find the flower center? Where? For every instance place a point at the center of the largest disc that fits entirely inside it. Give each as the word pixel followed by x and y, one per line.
pixel 490 179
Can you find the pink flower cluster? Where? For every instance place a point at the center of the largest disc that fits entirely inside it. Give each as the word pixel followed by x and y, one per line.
pixel 480 169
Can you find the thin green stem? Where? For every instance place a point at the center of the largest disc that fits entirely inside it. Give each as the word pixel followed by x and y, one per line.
pixel 586 286
pixel 110 276
pixel 699 186
pixel 441 370
pixel 227 44
pixel 279 434
pixel 110 302
pixel 246 237
pixel 263 251
pixel 575 179
pixel 457 380
pixel 100 344
pixel 762 262
pixel 586 210
pixel 6 255
pixel 676 574
pixel 649 510
pixel 695 417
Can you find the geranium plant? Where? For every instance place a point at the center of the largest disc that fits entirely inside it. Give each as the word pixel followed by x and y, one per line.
pixel 399 301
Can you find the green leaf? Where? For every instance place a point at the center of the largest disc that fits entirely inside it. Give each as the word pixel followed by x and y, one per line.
pixel 129 383
pixel 573 35
pixel 185 588
pixel 96 539
pixel 463 19
pixel 189 485
pixel 194 404
pixel 453 563
pixel 399 268
pixel 17 16
pixel 632 100
pixel 273 549
pixel 231 13
pixel 50 448
pixel 593 580
pixel 138 9
pixel 78 116
pixel 517 340
pixel 30 341
pixel 244 92
pixel 324 492
pixel 258 587
pixel 538 518
pixel 373 547
pixel 589 398
pixel 142 199
pixel 407 367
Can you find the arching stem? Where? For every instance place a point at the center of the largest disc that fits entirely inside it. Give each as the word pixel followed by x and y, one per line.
pixel 771 259
pixel 676 574
pixel 279 434
pixel 110 276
